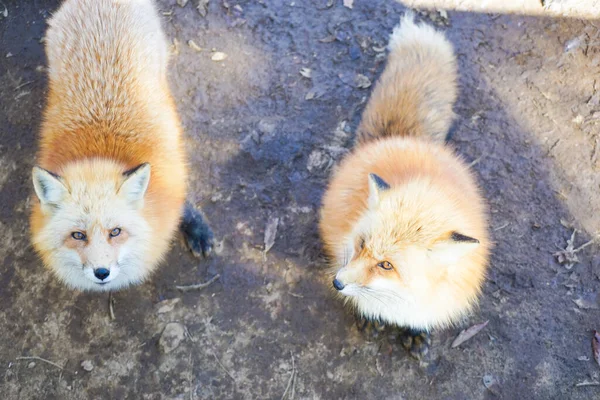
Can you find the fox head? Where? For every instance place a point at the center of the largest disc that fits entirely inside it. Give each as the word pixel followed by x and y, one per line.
pixel 408 247
pixel 91 230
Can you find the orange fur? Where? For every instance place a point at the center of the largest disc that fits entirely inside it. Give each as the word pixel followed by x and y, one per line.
pixel 109 109
pixel 432 194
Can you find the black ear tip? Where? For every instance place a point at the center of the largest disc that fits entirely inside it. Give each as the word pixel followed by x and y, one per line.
pixel 37 169
pixel 133 170
pixel 379 182
pixel 459 237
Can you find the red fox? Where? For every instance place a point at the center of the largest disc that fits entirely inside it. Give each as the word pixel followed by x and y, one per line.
pixel 403 219
pixel 111 170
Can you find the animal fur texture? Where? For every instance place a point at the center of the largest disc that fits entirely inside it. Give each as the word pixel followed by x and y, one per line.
pixel 403 219
pixel 111 170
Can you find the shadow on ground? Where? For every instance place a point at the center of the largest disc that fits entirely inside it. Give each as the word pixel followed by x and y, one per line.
pixel 263 140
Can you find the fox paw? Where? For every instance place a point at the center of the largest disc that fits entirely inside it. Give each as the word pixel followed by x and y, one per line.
pixel 197 233
pixel 369 327
pixel 415 342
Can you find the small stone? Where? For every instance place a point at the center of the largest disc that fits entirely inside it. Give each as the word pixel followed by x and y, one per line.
pixel 266 126
pixel 218 56
pixel 87 365
pixel 172 336
pixel 182 3
pixel 31 365
pixel 361 81
pixel 354 52
pixel 318 160
pixel 166 306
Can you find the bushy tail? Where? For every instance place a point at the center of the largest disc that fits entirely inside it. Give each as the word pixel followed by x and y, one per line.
pixel 416 92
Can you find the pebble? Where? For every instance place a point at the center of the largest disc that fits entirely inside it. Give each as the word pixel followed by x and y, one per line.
pixel 172 336
pixel 87 365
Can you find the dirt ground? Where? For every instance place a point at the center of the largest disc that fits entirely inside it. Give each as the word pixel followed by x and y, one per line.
pixel 263 140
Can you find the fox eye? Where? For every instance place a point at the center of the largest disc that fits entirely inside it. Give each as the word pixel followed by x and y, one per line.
pixel 385 265
pixel 362 244
pixel 78 235
pixel 115 232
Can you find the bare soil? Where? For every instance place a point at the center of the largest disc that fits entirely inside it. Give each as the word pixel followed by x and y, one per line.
pixel 263 139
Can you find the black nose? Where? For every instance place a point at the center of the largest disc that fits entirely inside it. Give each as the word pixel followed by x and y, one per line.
pixel 101 273
pixel 338 285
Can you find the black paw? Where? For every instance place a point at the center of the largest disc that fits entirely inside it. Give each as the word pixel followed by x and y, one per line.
pixel 371 328
pixel 197 233
pixel 415 342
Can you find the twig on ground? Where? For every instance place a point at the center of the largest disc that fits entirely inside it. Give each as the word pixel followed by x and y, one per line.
pixel 40 359
pixel 222 366
pixel 502 226
pixel 568 255
pixel 111 303
pixel 475 161
pixel 291 382
pixel 198 286
pixel 587 383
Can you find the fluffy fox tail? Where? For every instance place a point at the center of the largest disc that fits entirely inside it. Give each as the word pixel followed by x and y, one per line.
pixel 416 92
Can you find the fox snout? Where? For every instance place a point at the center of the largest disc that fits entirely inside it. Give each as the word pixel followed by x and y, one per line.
pixel 347 277
pixel 338 285
pixel 101 273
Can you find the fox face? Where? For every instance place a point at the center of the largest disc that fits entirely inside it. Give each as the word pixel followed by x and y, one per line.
pixel 93 234
pixel 406 260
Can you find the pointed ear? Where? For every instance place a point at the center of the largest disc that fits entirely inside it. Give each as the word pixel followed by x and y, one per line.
pixel 136 183
pixel 453 248
pixel 49 187
pixel 376 186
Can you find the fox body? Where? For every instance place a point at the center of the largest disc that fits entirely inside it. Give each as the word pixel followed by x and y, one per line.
pixel 111 174
pixel 403 219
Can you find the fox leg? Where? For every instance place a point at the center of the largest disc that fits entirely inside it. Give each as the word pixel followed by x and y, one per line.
pixel 195 230
pixel 371 328
pixel 415 341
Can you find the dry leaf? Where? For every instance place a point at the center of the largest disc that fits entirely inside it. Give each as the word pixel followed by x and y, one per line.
pixel 182 3
pixel 270 233
pixel 203 7
pixel 166 306
pixel 349 3
pixel 327 39
pixel 468 334
pixel 361 81
pixel 568 255
pixel 306 72
pixel 596 347
pixel 218 56
pixel 194 46
pixel 588 301
pixel 315 93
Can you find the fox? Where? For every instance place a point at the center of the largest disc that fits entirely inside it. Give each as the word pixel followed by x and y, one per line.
pixel 403 219
pixel 111 171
